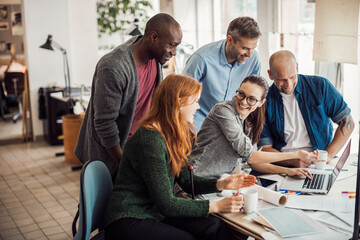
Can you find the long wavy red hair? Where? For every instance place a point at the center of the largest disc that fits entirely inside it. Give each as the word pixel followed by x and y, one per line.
pixel 164 116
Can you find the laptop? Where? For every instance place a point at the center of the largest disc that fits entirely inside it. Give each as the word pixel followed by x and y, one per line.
pixel 321 181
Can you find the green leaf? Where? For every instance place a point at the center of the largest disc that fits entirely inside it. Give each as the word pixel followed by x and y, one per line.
pixel 115 15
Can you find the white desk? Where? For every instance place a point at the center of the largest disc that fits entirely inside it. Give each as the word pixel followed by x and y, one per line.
pixel 79 97
pixel 237 222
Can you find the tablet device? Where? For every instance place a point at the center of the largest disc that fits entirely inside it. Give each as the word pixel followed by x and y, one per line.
pixel 265 182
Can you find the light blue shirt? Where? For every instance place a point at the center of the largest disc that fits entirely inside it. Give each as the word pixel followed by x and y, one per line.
pixel 219 79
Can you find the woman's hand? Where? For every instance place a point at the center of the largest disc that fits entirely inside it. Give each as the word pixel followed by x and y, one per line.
pixel 236 181
pixel 231 204
pixel 298 172
pixel 307 157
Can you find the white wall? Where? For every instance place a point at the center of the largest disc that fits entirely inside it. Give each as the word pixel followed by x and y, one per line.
pixel 83 40
pixel 73 25
pixel 199 19
pixel 185 14
pixel 269 24
pixel 352 96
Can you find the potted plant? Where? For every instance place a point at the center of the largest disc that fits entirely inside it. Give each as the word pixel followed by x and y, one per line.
pixel 116 16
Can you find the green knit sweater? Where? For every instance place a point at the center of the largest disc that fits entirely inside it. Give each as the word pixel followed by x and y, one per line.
pixel 144 186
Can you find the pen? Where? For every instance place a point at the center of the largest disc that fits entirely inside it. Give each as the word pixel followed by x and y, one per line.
pixel 347 192
pixel 290 193
pixel 283 191
pixel 352 196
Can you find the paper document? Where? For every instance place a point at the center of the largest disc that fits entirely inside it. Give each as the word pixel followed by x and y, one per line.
pixel 322 203
pixel 289 222
pixel 328 234
pixel 211 197
pixel 347 217
pixel 345 174
pixel 261 221
pixel 330 221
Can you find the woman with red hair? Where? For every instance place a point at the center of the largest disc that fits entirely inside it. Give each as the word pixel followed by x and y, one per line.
pixel 142 205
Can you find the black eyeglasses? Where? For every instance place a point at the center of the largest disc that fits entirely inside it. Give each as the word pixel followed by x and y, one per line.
pixel 240 95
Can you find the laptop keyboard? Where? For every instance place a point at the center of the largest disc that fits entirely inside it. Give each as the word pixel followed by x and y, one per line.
pixel 316 182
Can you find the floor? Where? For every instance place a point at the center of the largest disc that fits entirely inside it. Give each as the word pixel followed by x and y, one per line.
pixel 10 131
pixel 38 192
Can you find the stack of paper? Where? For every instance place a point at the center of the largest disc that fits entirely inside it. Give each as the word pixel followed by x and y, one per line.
pixel 320 203
pixel 331 221
pixel 288 223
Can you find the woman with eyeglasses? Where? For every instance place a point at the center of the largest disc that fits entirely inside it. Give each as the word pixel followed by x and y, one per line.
pixel 229 134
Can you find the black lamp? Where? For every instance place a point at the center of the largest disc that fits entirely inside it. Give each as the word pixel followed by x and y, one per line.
pixel 134 29
pixel 49 44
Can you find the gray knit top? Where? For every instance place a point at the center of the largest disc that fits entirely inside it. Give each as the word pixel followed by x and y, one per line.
pixel 111 109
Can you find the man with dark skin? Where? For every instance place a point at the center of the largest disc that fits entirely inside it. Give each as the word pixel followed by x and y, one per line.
pixel 121 92
pixel 300 110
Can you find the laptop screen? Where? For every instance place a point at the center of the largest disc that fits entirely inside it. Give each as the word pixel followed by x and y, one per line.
pixel 339 165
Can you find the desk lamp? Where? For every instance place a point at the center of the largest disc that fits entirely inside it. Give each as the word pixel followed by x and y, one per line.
pixel 134 29
pixel 49 46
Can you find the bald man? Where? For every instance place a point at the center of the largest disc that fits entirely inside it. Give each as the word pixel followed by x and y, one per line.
pixel 300 110
pixel 123 84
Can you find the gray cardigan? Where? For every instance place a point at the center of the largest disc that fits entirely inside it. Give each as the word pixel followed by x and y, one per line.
pixel 111 109
pixel 221 143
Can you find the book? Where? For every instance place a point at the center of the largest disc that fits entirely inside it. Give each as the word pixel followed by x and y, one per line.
pixel 288 223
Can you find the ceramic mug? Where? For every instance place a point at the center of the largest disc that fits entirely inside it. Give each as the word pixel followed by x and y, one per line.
pixel 322 156
pixel 250 196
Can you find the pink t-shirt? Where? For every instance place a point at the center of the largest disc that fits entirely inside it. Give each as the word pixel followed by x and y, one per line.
pixel 147 81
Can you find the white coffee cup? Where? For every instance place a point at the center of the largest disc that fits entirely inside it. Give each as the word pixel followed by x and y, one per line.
pixel 322 156
pixel 250 196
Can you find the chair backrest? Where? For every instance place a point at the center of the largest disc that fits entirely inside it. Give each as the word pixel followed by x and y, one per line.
pixel 95 190
pixel 9 84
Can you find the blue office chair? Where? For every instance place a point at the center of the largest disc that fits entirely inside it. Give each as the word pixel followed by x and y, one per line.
pixel 95 190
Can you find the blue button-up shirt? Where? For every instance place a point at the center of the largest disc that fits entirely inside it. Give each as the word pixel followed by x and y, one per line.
pixel 219 79
pixel 319 103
